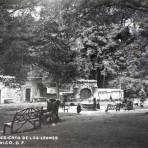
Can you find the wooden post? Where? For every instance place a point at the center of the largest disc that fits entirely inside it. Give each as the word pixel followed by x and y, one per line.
pixel 57 88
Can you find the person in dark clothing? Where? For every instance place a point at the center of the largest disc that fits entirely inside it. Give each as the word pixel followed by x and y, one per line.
pixel 49 106
pixel 48 115
pixel 55 110
pixel 94 103
pixel 78 108
pixel 111 99
pixel 98 105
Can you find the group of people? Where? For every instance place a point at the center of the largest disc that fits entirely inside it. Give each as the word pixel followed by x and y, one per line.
pixel 53 108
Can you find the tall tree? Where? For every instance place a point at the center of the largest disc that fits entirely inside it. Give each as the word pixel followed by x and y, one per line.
pixel 52 49
pixel 15 32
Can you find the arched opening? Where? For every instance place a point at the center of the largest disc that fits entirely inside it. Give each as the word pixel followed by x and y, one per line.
pixel 85 93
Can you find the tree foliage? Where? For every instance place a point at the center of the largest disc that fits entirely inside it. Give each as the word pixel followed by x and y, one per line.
pixel 31 42
pixel 92 39
pixel 111 33
pixel 15 26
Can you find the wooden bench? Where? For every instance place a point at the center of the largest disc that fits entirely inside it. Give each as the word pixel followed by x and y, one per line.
pixel 88 106
pixel 22 120
pixel 66 108
pixel 113 107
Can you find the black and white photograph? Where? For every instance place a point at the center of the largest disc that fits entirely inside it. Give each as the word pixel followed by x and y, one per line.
pixel 73 73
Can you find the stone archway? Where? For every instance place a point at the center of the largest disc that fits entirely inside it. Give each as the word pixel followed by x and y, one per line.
pixel 85 93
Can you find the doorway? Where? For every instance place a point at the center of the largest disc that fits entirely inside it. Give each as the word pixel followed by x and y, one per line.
pixel 85 93
pixel 28 92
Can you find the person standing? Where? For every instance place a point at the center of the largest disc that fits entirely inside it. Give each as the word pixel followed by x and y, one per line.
pixel 94 103
pixel 78 108
pixel 98 104
pixel 49 105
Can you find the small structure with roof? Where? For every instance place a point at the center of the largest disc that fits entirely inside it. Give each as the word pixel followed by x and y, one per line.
pixel 38 90
pixel 33 90
pixel 84 90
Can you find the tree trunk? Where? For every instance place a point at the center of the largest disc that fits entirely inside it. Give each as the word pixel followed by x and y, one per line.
pixel 58 95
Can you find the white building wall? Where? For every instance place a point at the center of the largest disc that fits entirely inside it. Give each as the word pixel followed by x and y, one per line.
pixel 105 94
pixel 9 93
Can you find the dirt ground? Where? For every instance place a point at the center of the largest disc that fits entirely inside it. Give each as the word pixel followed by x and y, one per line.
pixel 91 129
